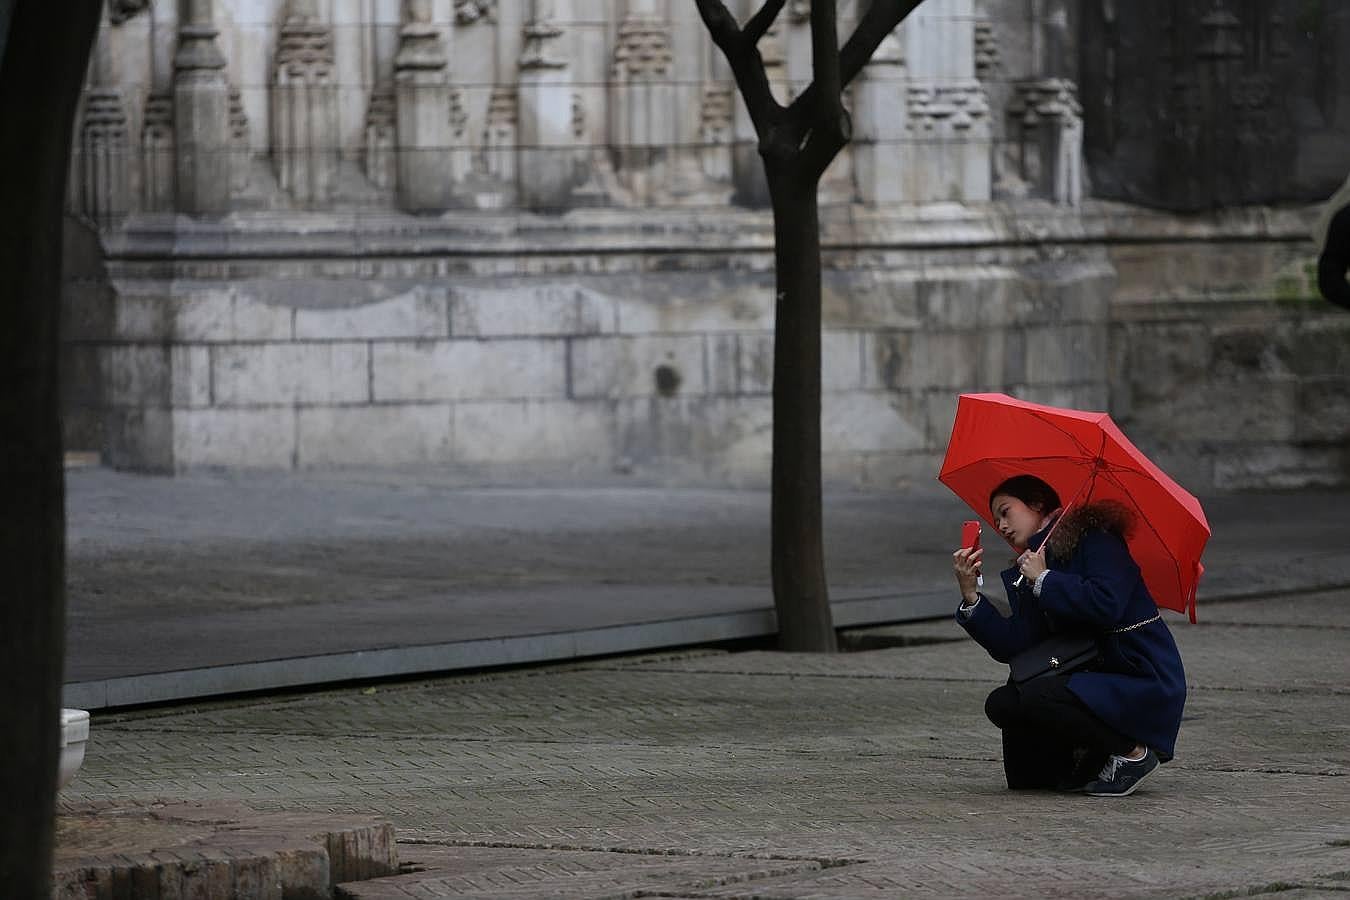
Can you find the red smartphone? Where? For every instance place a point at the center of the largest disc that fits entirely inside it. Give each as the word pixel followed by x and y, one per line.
pixel 970 534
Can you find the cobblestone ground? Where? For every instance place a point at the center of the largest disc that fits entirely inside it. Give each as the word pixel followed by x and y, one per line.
pixel 767 775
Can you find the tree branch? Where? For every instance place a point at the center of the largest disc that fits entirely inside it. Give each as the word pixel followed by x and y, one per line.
pixel 721 24
pixel 762 21
pixel 881 18
pixel 746 64
pixel 830 124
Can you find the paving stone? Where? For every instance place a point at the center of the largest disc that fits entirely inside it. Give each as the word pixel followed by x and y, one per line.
pixel 215 851
pixel 761 774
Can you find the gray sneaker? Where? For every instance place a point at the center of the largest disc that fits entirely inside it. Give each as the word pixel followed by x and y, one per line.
pixel 1120 776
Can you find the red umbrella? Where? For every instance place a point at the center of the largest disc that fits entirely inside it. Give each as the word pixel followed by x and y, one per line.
pixel 1084 456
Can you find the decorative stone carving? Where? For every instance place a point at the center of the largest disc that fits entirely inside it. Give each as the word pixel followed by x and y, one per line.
pixel 469 11
pixel 240 150
pixel 715 132
pixel 1046 129
pixel 1211 120
pixel 201 115
pixel 946 110
pixel 986 51
pixel 500 134
pixel 103 155
pixel 540 39
pixel 423 103
pixel 157 153
pixel 381 138
pixel 547 154
pixel 642 50
pixel 641 101
pixel 1221 35
pixel 304 107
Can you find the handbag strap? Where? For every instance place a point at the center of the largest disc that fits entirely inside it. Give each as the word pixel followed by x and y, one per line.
pixel 1125 628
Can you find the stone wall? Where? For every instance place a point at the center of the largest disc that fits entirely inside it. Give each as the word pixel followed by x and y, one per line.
pixel 1226 364
pixel 608 350
pixel 603 349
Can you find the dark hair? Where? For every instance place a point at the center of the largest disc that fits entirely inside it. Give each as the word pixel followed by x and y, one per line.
pixel 1030 490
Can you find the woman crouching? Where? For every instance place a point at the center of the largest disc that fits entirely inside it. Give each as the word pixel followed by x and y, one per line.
pixel 1102 729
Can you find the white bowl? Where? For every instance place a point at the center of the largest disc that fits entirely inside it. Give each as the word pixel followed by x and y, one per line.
pixel 74 735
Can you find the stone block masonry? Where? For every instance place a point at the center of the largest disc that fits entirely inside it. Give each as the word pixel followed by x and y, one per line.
pixel 603 352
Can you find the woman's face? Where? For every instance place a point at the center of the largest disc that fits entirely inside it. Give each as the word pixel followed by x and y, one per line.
pixel 1014 519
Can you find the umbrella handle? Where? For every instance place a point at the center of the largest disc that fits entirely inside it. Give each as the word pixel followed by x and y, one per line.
pixel 1021 579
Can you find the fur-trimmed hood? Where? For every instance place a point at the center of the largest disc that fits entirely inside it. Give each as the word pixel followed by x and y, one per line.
pixel 1107 515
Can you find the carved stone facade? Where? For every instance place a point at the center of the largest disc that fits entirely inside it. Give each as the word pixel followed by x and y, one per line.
pixel 304 107
pixel 473 232
pixel 1208 104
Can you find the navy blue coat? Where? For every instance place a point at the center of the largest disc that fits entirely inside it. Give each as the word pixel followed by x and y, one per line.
pixel 1139 689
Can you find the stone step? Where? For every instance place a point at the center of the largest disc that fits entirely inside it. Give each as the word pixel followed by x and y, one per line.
pixel 165 850
pixel 529 872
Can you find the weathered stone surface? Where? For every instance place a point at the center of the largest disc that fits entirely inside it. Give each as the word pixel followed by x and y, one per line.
pixel 419 313
pixel 530 311
pixel 1203 109
pixel 175 850
pixel 872 422
pixel 136 375
pixel 1044 320
pixel 190 370
pixel 1068 354
pixel 622 366
pixel 244 375
pixel 223 314
pixel 468 369
pixel 243 438
pixel 579 434
pixel 397 434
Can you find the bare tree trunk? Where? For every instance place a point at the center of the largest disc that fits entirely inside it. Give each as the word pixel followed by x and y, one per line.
pixel 800 593
pixel 41 71
pixel 797 143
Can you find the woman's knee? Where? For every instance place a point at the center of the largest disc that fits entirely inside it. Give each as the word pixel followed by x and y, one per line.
pixel 1001 706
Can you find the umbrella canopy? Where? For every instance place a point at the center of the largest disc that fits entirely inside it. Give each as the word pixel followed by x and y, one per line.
pixel 1085 457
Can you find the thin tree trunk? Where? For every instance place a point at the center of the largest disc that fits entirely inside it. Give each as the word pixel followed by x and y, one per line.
pixel 800 594
pixel 41 72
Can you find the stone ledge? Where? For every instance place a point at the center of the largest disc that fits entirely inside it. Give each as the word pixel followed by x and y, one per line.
pixel 164 850
pixel 338 235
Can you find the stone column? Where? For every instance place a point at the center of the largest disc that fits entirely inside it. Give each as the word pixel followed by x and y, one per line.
pixel 304 107
pixel 642 103
pixel 422 100
pixel 880 127
pixel 157 153
pixel 379 139
pixel 103 141
pixel 950 144
pixel 501 133
pixel 546 162
pixel 1045 126
pixel 241 153
pixel 201 110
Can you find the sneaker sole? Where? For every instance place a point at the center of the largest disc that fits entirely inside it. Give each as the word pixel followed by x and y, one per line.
pixel 1134 787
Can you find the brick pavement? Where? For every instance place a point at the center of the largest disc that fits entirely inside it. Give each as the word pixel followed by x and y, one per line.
pixel 760 774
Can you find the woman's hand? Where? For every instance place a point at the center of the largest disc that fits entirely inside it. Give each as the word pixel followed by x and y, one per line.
pixel 966 564
pixel 1031 564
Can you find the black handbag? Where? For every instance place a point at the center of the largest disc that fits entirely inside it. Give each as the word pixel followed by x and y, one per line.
pixel 1056 655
